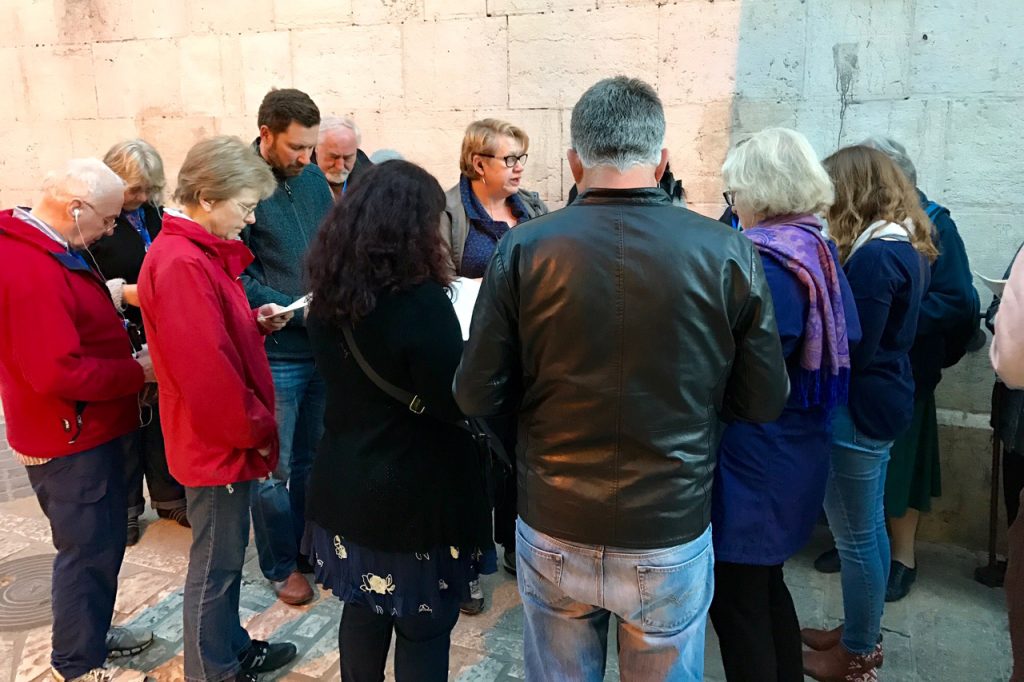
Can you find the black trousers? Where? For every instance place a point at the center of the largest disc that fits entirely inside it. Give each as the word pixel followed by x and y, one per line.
pixel 421 652
pixel 144 455
pixel 757 626
pixel 1013 482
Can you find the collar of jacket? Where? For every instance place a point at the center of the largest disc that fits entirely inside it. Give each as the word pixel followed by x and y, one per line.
pixel 634 196
pixel 15 228
pixel 232 254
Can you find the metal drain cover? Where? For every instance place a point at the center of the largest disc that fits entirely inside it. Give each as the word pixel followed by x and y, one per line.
pixel 25 592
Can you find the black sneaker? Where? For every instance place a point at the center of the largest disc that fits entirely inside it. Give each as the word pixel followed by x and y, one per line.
pixel 900 580
pixel 473 606
pixel 262 657
pixel 134 531
pixel 509 561
pixel 827 562
pixel 245 677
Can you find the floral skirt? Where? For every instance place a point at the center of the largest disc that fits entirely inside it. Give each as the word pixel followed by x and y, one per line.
pixel 394 583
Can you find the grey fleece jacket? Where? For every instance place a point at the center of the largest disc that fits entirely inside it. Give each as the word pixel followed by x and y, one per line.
pixel 285 228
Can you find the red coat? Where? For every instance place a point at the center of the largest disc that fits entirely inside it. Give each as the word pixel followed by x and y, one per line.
pixel 64 351
pixel 216 391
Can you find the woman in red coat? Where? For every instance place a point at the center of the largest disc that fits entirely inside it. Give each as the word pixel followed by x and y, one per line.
pixel 216 393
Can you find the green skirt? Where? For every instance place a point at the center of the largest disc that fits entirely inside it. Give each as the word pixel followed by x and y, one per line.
pixel 914 476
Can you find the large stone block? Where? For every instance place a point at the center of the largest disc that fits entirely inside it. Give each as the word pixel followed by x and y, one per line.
pixel 857 49
pixel 967 47
pixel 202 82
pixel 30 23
pixel 94 137
pixel 505 7
pixel 697 50
pixel 982 165
pixel 58 82
pixel 137 77
pixel 455 63
pixel 12 82
pixel 43 146
pixel 386 11
pixel 354 67
pixel 265 61
pixel 139 19
pixel 769 61
pixel 174 137
pixel 311 13
pixel 554 57
pixel 434 10
pixel 697 138
pixel 432 140
pixel 233 17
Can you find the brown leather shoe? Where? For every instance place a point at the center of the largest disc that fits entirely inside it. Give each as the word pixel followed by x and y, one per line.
pixel 293 590
pixel 821 640
pixel 840 665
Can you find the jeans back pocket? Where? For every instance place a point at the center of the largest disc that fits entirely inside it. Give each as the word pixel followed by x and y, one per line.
pixel 672 596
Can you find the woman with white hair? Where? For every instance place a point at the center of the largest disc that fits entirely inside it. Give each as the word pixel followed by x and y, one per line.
pixel 119 259
pixel 770 480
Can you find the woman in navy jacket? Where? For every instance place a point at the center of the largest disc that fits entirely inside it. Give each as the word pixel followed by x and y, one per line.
pixel 770 480
pixel 886 246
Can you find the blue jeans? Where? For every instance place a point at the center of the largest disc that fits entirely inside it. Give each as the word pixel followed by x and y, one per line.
pixel 214 636
pixel 659 597
pixel 83 497
pixel 279 503
pixel 854 505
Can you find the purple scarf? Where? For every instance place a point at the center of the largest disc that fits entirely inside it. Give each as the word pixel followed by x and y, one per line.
pixel 796 243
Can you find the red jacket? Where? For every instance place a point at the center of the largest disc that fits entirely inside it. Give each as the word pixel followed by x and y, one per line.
pixel 64 353
pixel 216 392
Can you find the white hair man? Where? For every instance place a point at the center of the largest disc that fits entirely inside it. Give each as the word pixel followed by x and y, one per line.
pixel 69 382
pixel 623 330
pixel 338 153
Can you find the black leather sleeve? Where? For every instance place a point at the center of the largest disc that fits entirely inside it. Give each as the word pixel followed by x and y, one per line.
pixel 758 385
pixel 489 379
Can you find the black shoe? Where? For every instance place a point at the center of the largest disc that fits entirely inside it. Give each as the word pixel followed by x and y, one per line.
pixel 134 531
pixel 262 657
pixel 245 677
pixel 900 580
pixel 827 562
pixel 509 561
pixel 473 606
pixel 302 565
pixel 179 515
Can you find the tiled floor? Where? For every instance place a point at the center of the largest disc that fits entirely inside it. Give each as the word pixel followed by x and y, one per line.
pixel 949 628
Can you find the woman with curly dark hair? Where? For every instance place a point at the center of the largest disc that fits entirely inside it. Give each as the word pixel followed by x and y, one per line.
pixel 397 494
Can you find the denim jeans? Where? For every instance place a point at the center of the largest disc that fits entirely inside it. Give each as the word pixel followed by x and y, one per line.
pixel 854 505
pixel 82 495
pixel 144 455
pixel 659 598
pixel 279 503
pixel 214 636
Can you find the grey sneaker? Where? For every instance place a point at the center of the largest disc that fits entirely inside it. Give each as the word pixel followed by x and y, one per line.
pixel 122 641
pixel 94 675
pixel 475 604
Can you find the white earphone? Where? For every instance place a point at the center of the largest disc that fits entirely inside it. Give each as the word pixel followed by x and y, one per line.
pixel 76 212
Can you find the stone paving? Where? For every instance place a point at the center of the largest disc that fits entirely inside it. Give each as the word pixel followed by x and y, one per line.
pixel 949 628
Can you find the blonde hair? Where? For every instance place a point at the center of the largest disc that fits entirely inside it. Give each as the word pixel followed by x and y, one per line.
pixel 138 163
pixel 775 172
pixel 221 167
pixel 482 138
pixel 871 187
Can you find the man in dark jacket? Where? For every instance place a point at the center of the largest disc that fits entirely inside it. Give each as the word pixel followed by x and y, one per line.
pixel 623 330
pixel 286 224
pixel 69 385
pixel 338 154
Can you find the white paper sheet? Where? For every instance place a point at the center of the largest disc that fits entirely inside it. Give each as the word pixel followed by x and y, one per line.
pixel 298 303
pixel 994 285
pixel 464 293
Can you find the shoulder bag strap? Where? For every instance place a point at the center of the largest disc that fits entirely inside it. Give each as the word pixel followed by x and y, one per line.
pixel 408 399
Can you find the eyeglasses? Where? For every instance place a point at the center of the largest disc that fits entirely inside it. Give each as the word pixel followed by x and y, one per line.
pixel 107 222
pixel 247 210
pixel 730 199
pixel 510 161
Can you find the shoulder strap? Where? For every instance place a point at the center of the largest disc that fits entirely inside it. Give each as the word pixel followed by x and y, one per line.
pixel 933 210
pixel 411 401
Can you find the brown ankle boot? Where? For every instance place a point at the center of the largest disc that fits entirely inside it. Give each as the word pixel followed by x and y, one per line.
pixel 838 664
pixel 821 640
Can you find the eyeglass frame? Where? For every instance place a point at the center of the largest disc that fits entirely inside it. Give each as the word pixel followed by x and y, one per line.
pixel 107 223
pixel 521 159
pixel 246 210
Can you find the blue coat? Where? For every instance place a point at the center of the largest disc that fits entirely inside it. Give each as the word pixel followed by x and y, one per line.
pixel 770 479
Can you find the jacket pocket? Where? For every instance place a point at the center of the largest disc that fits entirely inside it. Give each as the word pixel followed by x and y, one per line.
pixel 672 596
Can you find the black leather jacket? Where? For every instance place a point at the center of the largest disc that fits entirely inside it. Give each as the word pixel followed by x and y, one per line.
pixel 623 330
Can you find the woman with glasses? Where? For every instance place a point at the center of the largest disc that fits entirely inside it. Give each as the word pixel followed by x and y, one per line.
pixel 119 258
pixel 216 393
pixel 487 202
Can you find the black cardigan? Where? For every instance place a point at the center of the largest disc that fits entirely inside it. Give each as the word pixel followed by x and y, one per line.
pixel 120 255
pixel 384 477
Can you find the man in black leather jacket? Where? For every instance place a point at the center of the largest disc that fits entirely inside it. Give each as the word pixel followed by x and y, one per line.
pixel 623 331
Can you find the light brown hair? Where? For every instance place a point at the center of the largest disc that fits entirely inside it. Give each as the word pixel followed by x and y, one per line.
pixel 482 138
pixel 869 187
pixel 138 163
pixel 221 167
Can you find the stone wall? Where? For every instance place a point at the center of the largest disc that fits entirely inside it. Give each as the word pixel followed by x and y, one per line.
pixel 944 77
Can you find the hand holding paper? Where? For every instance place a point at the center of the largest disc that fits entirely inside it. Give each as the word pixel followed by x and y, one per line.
pixel 273 317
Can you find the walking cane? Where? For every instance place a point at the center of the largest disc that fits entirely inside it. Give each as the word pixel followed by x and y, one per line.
pixel 992 574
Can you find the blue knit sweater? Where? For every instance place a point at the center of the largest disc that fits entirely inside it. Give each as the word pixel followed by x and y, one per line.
pixel 286 225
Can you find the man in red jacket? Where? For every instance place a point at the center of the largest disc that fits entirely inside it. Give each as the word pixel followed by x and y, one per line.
pixel 69 385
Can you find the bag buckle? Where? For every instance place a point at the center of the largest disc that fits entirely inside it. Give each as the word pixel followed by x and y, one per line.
pixel 416 406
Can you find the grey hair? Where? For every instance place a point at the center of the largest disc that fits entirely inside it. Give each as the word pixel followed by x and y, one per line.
pixel 82 179
pixel 895 151
pixel 329 123
pixel 775 172
pixel 137 162
pixel 618 122
pixel 382 155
